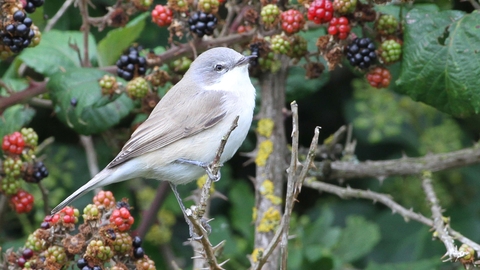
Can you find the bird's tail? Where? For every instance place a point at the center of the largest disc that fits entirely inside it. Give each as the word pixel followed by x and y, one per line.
pixel 96 181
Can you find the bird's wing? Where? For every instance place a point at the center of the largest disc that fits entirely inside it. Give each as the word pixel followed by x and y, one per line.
pixel 168 124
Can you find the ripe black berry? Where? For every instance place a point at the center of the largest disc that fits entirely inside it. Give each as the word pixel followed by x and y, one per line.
pixel 28 22
pixel 138 253
pixel 136 242
pixel 361 53
pixel 121 204
pixel 96 267
pixel 81 263
pixel 131 63
pixel 19 16
pixel 202 23
pixel 30 7
pixel 37 3
pixel 22 30
pixel 45 225
pixel 40 171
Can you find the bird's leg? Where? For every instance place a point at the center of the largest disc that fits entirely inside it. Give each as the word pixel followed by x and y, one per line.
pixel 179 200
pixel 204 165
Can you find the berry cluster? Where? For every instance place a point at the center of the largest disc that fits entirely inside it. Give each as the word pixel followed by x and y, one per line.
pixel 19 163
pixel 108 84
pixel 97 242
pixel 131 64
pixel 162 15
pixel 280 44
pixel 67 215
pixel 361 53
pixel 270 15
pixel 390 51
pixel 320 11
pixel 35 173
pixel 379 77
pixel 202 23
pixel 344 6
pixel 292 21
pixel 13 143
pixel 339 27
pixel 386 24
pixel 137 88
pixel 104 199
pixel 32 5
pixel 208 6
pixel 19 34
pixel 122 219
pixel 22 202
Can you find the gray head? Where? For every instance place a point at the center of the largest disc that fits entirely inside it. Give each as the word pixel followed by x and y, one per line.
pixel 217 64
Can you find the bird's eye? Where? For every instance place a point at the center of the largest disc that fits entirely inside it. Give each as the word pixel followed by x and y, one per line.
pixel 218 68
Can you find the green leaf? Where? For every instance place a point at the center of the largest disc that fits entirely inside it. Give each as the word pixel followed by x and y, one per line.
pixel 117 40
pixel 93 113
pixel 54 54
pixel 441 60
pixel 14 118
pixel 357 239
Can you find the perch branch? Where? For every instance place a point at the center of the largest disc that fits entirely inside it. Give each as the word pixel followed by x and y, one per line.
pixel 294 185
pixel 196 212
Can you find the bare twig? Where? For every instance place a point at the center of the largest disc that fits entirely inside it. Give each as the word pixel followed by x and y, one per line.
pixel 34 89
pixel 92 161
pixel 83 7
pixel 385 199
pixel 294 185
pixel 439 223
pixel 58 15
pixel 402 166
pixel 44 191
pixel 474 4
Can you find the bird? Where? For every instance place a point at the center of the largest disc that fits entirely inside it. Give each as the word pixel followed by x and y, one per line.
pixel 182 134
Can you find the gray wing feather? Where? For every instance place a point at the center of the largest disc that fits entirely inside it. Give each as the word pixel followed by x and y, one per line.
pixel 168 124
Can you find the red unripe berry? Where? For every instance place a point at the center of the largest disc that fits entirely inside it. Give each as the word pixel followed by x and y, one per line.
pixel 379 77
pixel 320 11
pixel 22 202
pixel 122 219
pixel 292 21
pixel 339 27
pixel 162 15
pixel 13 143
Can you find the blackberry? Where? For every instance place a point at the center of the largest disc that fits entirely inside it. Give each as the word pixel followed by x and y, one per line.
pixel 32 5
pixel 137 242
pixel 361 53
pixel 202 23
pixel 81 263
pixel 18 34
pixel 138 253
pixel 131 64
pixel 35 173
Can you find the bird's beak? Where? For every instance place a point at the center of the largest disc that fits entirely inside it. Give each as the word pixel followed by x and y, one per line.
pixel 245 60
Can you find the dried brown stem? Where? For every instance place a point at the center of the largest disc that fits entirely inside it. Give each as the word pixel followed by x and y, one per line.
pixel 346 170
pixel 385 199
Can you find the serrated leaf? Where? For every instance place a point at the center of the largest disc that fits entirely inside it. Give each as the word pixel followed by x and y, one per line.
pixel 93 112
pixel 54 53
pixel 14 118
pixel 357 239
pixel 117 40
pixel 441 60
